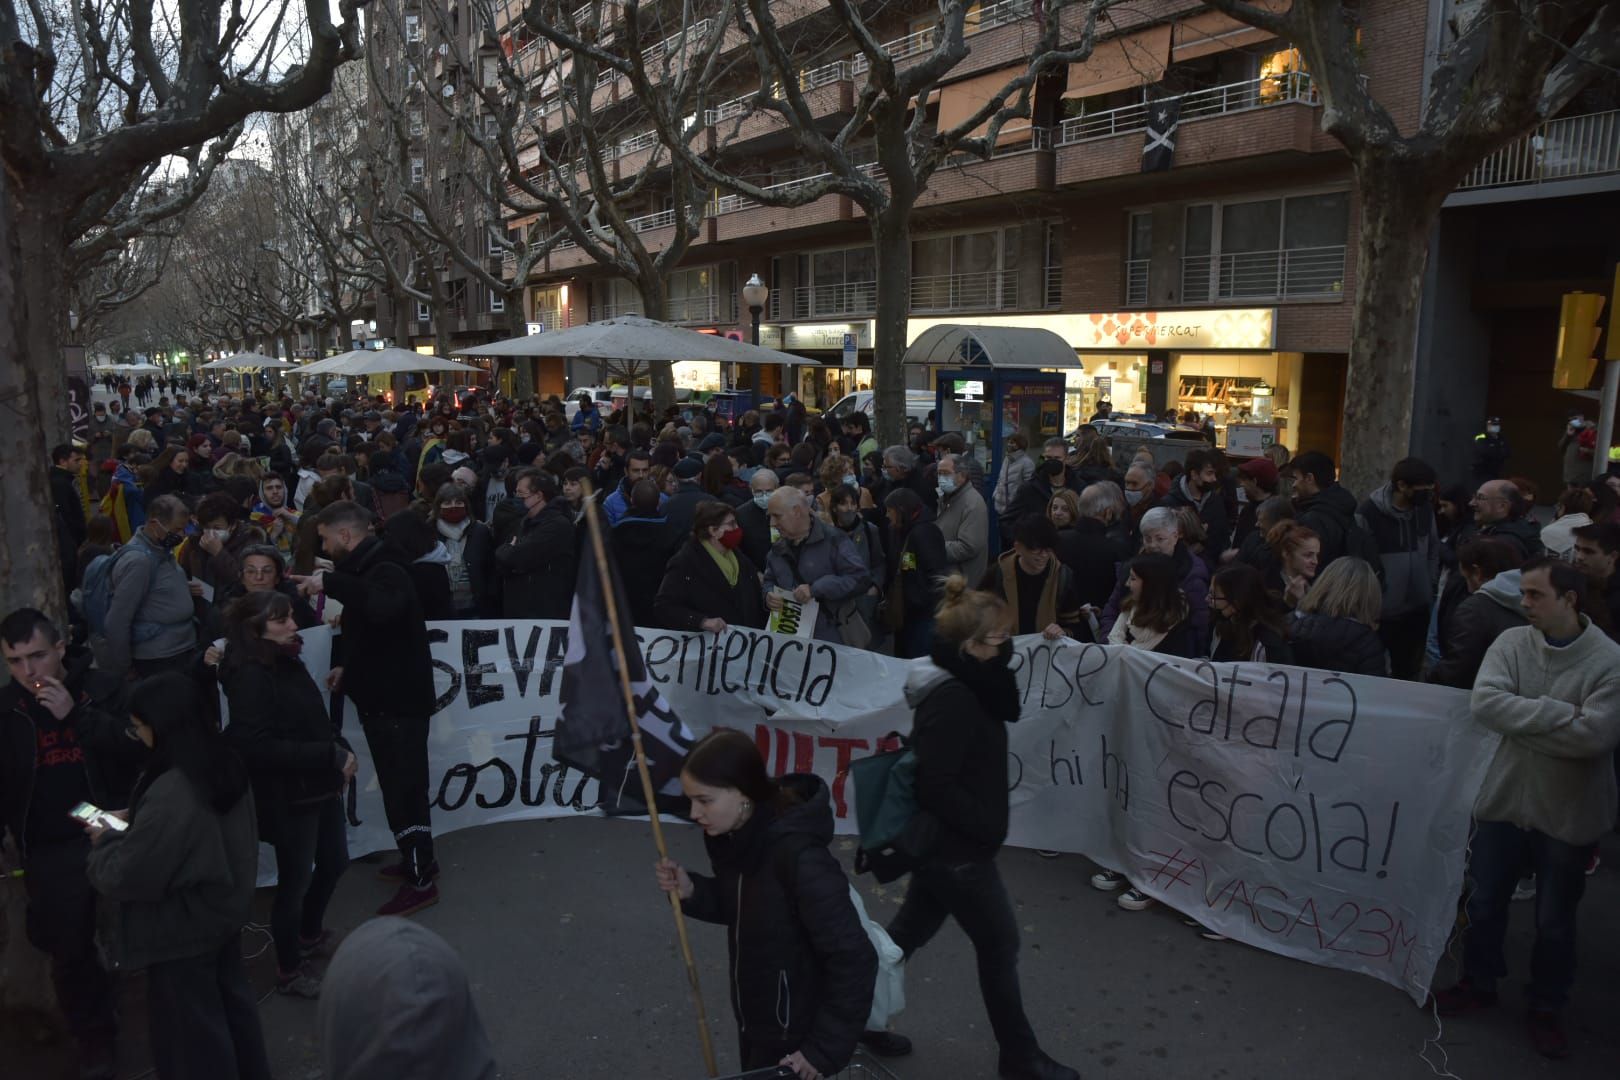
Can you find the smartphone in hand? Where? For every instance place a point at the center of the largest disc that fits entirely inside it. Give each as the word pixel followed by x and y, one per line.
pixel 91 814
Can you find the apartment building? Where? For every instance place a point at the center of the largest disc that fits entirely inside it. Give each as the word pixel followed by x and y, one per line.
pixel 1221 285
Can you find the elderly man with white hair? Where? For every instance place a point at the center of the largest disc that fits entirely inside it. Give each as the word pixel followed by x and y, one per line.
pixel 813 561
pixel 1161 535
pixel 963 520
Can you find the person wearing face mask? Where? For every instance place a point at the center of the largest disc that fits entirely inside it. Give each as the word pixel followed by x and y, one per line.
pixel 299 766
pixel 1491 453
pixel 125 501
pixel 754 516
pixel 963 697
pixel 963 519
pixel 710 583
pixel 470 547
pixel 839 472
pixel 149 625
pixel 1400 517
pixel 214 555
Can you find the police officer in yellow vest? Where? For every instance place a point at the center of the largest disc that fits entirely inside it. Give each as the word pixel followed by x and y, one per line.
pixel 1490 452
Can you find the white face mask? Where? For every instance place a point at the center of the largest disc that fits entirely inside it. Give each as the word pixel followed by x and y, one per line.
pixel 1133 497
pixel 221 535
pixel 947 484
pixel 762 499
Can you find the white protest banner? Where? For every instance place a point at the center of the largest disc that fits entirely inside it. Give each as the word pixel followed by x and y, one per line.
pixel 1317 815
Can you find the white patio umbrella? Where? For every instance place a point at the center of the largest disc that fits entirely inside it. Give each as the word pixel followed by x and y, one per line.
pixel 322 366
pixel 245 361
pixel 634 338
pixel 388 361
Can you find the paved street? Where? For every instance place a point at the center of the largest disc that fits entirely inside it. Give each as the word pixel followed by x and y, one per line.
pixel 573 962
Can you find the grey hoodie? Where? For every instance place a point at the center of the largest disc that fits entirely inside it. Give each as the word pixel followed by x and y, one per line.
pixel 1409 547
pixel 395 1005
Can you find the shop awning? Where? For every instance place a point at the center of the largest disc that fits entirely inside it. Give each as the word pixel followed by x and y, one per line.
pixel 1213 32
pixel 1120 63
pixel 960 100
pixel 956 345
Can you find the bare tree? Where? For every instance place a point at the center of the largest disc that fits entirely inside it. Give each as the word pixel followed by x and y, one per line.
pixel 92 96
pixel 883 156
pixel 1512 63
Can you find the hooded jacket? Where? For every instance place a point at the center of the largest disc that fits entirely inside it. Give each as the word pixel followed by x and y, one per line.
pixel 1469 630
pixel 802 966
pixel 1211 510
pixel 1409 547
pixel 182 875
pixel 149 616
pixel 1558 710
pixel 961 709
pixel 394 1003
pixel 1331 514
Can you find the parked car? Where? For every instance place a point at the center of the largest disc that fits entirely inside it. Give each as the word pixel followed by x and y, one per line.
pixel 919 403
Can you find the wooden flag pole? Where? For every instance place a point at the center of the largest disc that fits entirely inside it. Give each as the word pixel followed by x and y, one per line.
pixel 611 598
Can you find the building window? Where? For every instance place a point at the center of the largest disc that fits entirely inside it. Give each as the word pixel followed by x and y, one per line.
pixel 415 117
pixel 965 272
pixel 496 246
pixel 1285 248
pixel 1052 285
pixel 1138 257
pixel 492 125
pixel 413 28
pixel 418 170
pixel 840 282
pixel 497 302
pixel 423 312
pixel 417 213
pixel 491 67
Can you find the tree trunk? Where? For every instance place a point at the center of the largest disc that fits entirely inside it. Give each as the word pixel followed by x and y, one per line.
pixel 522 366
pixel 891 246
pixel 33 389
pixel 1399 204
pixel 660 374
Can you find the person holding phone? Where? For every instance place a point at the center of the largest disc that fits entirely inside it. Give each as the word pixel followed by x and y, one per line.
pixel 64 740
pixel 300 766
pixel 182 876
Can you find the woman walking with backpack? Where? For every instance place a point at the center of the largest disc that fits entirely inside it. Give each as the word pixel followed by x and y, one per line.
pixel 964 699
pixel 802 966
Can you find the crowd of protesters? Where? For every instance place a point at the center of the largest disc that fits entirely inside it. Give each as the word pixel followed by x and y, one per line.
pixel 200 535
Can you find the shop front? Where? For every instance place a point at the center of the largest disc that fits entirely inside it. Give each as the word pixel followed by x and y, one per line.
pixel 1220 363
pixel 831 370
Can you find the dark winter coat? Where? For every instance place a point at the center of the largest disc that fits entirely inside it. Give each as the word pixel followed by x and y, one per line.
pixel 959 734
pixel 1030 499
pixel 280 726
pixel 1211 510
pixel 1268 647
pixel 1193 574
pixel 1331 514
pixel 111 756
pixel 826 561
pixel 802 966
pixel 694 589
pixel 69 508
pixel 918 568
pixel 1093 555
pixel 642 547
pixel 1471 627
pixel 1336 643
pixel 679 507
pixel 387 666
pixel 756 526
pixel 537 572
pixel 1523 533
pixel 1409 546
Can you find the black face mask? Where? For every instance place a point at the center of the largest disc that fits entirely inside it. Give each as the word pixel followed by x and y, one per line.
pixel 1421 498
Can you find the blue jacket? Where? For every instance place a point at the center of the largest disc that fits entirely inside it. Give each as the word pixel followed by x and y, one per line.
pixel 581 423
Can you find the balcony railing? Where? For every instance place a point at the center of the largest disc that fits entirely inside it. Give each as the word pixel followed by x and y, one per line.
pixel 551 318
pixel 1294 87
pixel 635 144
pixel 615 311
pixel 843 298
pixel 989 291
pixel 730 204
pixel 1290 274
pixel 1136 281
pixel 1564 149
pixel 692 309
pixel 838 71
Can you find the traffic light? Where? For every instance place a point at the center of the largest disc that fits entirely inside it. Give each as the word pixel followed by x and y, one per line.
pixel 1578 332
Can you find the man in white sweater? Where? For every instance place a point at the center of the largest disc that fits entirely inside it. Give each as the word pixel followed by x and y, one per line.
pixel 1552 690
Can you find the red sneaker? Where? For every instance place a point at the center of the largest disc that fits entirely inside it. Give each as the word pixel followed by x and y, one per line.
pixel 401 871
pixel 409 900
pixel 1547 1034
pixel 1464 998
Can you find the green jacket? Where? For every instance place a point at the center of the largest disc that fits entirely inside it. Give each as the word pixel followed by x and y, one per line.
pixel 182 876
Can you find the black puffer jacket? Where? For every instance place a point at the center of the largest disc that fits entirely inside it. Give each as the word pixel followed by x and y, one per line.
pixel 1331 514
pixel 1088 550
pixel 537 572
pixel 802 967
pixel 387 666
pixel 642 547
pixel 1335 643
pixel 280 727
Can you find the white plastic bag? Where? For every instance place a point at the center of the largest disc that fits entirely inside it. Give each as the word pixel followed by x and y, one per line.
pixel 889 993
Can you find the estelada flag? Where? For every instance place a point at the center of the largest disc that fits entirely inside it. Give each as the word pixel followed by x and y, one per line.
pixel 593 732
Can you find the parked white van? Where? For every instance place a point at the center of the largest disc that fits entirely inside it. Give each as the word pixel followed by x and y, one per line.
pixel 919 403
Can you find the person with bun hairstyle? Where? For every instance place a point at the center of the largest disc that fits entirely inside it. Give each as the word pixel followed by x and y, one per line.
pixel 802 966
pixel 1296 553
pixel 964 696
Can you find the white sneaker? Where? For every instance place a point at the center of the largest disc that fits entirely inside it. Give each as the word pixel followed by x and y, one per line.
pixel 1525 890
pixel 1107 880
pixel 1046 854
pixel 1135 900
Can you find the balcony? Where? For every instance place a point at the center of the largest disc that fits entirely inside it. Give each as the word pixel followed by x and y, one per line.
pixel 993 290
pixel 684 309
pixel 1570 148
pixel 1136 281
pixel 1290 274
pixel 615 311
pixel 843 298
pixel 551 318
pixel 1293 88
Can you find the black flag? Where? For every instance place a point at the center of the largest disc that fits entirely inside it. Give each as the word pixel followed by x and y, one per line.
pixel 1159 151
pixel 593 733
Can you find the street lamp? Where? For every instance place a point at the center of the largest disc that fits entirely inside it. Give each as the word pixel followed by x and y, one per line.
pixel 755 293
